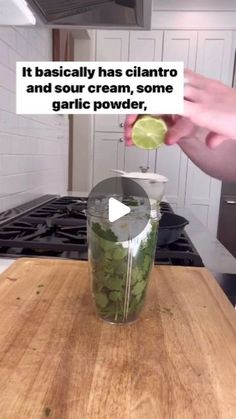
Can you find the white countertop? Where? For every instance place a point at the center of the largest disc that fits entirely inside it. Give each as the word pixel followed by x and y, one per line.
pixel 214 255
pixel 5 263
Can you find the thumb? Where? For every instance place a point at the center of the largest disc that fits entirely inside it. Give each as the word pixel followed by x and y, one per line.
pixel 213 140
pixel 181 128
pixel 130 120
pixel 128 126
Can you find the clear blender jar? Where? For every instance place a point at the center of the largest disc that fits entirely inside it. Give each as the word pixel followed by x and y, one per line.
pixel 120 262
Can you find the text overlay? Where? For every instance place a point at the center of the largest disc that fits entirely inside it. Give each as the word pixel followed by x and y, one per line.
pixel 99 87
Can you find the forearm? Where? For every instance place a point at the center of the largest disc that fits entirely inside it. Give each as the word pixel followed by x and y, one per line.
pixel 219 163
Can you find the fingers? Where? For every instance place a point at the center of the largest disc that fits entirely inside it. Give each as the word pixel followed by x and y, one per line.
pixel 195 79
pixel 182 128
pixel 190 109
pixel 213 140
pixel 201 82
pixel 194 94
pixel 129 121
pixel 128 136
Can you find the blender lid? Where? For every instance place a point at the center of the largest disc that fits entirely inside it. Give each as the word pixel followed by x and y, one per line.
pixel 148 176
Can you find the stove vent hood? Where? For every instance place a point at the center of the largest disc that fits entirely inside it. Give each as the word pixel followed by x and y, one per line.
pixel 114 14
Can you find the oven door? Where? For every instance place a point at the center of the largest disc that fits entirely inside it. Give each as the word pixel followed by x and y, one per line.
pixel 227 223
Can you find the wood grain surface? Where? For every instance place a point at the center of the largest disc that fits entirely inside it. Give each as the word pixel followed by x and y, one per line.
pixel 58 360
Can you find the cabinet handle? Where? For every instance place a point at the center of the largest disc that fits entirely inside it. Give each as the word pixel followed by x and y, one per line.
pixel 122 125
pixel 121 140
pixel 230 202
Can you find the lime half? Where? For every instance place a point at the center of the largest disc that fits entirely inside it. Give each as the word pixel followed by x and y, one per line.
pixel 149 132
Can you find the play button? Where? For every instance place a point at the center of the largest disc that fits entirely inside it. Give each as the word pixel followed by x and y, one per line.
pixel 117 210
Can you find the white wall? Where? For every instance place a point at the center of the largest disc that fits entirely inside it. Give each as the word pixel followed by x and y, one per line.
pixel 83 124
pixel 193 5
pixel 33 149
pixel 194 14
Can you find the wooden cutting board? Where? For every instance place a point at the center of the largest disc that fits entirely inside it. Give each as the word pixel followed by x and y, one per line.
pixel 58 360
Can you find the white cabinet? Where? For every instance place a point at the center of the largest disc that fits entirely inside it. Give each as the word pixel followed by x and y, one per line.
pixel 135 158
pixel 213 60
pixel 123 46
pixel 180 46
pixel 207 52
pixel 214 55
pixel 171 161
pixel 109 123
pixel 108 154
pixel 232 78
pixel 145 45
pixel 111 46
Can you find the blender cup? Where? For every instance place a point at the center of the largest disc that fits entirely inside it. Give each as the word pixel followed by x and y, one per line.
pixel 120 268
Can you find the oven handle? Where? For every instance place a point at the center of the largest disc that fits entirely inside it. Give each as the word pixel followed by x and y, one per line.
pixel 230 202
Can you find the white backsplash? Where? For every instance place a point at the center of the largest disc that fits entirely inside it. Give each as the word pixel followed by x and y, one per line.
pixel 33 148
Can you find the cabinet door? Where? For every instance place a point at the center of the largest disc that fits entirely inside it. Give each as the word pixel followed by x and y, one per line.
pixel 214 55
pixel 180 46
pixel 135 158
pixel 145 45
pixel 171 161
pixel 108 154
pixel 111 46
pixel 213 60
pixel 232 79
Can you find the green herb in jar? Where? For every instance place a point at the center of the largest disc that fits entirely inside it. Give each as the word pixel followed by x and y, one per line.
pixel 118 287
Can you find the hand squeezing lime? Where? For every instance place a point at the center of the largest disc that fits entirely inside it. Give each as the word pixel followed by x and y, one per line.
pixel 149 133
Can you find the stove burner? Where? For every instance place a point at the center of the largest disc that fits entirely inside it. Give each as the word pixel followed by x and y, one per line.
pixel 58 228
pixel 62 208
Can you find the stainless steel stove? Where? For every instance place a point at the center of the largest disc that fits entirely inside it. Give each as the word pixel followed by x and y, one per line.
pixel 56 227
